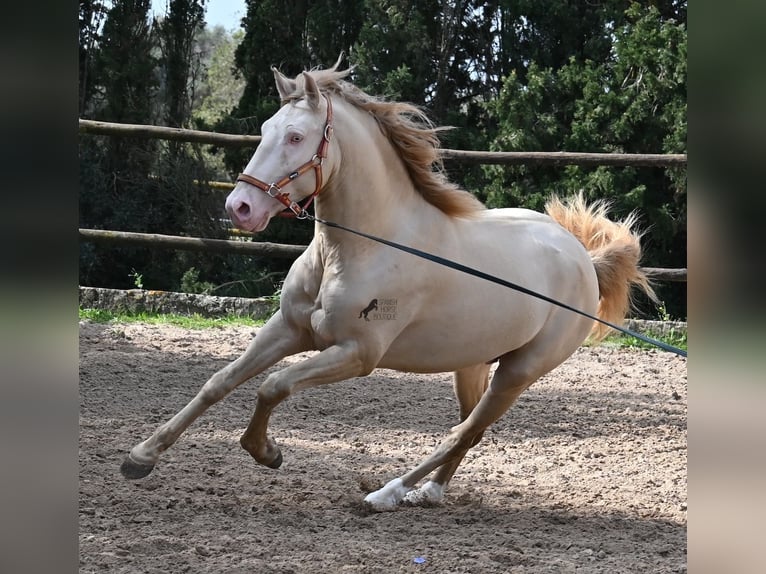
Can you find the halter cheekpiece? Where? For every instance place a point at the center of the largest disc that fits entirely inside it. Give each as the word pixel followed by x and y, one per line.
pixel 274 189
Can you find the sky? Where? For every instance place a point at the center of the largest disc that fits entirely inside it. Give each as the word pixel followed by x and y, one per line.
pixel 226 13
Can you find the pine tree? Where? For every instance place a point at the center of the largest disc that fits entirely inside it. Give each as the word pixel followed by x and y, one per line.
pixel 629 98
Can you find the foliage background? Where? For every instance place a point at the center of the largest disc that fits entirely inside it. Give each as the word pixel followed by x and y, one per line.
pixel 509 75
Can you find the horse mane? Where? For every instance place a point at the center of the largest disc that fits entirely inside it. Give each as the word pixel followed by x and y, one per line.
pixel 413 135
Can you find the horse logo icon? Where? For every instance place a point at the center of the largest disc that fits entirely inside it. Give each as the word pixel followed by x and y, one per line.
pixel 371 307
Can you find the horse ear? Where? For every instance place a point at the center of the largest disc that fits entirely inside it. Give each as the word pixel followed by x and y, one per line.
pixel 285 86
pixel 338 61
pixel 311 90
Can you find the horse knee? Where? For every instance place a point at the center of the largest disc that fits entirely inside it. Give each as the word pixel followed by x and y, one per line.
pixel 366 360
pixel 213 391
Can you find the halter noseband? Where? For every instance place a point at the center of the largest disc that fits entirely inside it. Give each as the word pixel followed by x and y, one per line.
pixel 274 189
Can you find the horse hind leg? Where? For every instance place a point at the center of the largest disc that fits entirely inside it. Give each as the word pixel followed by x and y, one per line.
pixel 469 385
pixel 516 371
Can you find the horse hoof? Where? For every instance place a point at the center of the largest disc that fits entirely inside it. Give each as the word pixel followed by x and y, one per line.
pixel 133 470
pixel 277 462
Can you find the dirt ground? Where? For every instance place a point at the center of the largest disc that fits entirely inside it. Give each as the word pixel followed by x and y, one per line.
pixel 586 473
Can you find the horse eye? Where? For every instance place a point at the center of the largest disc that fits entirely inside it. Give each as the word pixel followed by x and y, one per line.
pixel 296 138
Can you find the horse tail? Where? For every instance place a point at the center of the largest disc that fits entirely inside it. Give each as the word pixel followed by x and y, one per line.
pixel 614 248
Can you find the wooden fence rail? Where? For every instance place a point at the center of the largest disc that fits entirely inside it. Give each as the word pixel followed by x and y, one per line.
pixel 275 250
pixel 165 133
pixel 483 157
pixel 261 249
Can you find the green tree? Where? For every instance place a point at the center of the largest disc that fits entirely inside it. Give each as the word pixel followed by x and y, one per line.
pixel 332 26
pixel 188 204
pixel 145 75
pixel 91 16
pixel 115 190
pixel 127 68
pixel 220 88
pixel 291 35
pixel 218 94
pixel 508 74
pixel 393 53
pixel 273 36
pixel 632 101
pixel 177 33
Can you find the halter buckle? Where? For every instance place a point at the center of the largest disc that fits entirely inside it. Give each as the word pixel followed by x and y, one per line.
pixel 295 208
pixel 274 190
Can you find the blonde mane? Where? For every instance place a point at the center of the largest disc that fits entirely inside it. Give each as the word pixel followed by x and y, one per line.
pixel 411 133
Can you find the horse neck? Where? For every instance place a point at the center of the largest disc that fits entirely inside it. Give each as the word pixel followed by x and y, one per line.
pixel 371 190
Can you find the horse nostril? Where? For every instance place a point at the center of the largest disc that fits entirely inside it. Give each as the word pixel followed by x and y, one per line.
pixel 243 210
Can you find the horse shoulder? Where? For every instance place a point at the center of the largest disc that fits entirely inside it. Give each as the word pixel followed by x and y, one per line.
pixel 301 289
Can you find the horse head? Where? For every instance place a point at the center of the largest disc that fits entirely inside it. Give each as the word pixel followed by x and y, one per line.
pixel 295 141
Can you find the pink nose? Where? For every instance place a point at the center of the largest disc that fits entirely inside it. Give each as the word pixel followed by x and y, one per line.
pixel 239 210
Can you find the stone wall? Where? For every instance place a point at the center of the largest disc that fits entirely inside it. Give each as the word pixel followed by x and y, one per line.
pixel 142 300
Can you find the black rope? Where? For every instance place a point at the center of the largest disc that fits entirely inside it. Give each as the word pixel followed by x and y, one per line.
pixel 503 282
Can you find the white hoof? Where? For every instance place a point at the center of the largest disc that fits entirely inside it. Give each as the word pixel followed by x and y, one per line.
pixel 430 494
pixel 388 497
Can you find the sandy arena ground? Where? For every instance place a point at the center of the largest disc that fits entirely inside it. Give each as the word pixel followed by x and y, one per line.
pixel 586 473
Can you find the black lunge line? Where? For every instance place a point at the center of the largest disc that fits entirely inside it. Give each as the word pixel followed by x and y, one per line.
pixel 493 279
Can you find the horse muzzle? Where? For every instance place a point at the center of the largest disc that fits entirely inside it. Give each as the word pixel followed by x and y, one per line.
pixel 247 214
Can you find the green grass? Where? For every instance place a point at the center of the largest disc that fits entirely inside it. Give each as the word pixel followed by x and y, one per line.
pixel 195 321
pixel 676 338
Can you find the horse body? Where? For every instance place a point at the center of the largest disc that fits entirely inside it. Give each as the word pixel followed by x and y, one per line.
pixel 364 305
pixel 426 306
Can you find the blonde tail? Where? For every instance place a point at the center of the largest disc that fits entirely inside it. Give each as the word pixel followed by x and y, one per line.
pixel 614 247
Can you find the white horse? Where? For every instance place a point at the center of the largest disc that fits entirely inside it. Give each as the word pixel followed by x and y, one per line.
pixel 364 305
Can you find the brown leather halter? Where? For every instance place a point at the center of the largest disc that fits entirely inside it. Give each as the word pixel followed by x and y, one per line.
pixel 274 189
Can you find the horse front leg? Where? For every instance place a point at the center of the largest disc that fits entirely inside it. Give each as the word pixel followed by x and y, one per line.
pixel 336 363
pixel 275 341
